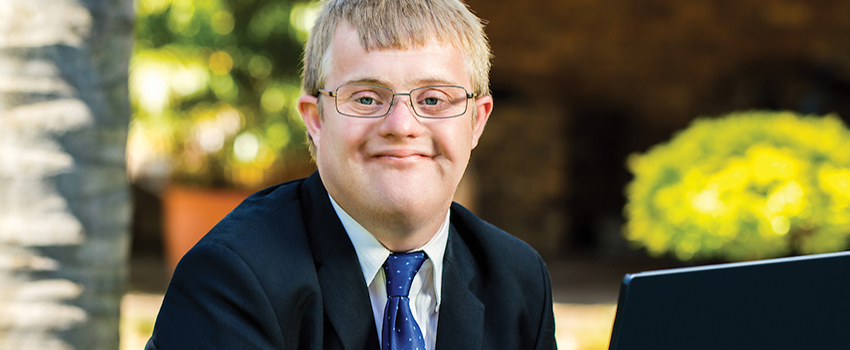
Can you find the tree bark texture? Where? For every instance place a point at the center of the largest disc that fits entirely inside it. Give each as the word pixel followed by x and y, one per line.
pixel 64 198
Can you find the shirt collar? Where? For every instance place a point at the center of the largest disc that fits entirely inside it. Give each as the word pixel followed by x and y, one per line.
pixel 372 254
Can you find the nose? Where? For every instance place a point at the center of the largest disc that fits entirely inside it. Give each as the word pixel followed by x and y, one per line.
pixel 401 122
pixel 396 101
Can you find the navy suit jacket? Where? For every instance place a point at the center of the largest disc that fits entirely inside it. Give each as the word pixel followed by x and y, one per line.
pixel 279 272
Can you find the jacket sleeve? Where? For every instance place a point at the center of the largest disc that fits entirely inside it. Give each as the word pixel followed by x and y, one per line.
pixel 215 301
pixel 546 331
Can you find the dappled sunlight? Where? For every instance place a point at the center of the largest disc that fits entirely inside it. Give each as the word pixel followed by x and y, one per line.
pixel 584 327
pixel 214 87
pixel 138 316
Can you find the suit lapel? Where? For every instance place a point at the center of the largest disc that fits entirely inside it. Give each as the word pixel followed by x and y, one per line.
pixel 344 292
pixel 461 323
pixel 346 300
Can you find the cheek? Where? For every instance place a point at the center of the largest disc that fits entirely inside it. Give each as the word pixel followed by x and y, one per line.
pixel 456 142
pixel 342 137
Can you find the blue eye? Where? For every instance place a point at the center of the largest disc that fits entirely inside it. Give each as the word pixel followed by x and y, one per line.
pixel 431 101
pixel 366 100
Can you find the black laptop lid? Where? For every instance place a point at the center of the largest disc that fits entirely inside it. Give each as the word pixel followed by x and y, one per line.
pixel 789 303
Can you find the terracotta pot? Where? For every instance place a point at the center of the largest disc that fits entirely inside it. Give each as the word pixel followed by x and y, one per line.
pixel 189 213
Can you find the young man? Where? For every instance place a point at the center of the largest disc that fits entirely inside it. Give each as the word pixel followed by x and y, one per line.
pixel 370 252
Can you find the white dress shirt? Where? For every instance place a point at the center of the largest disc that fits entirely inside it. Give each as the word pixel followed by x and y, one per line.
pixel 426 287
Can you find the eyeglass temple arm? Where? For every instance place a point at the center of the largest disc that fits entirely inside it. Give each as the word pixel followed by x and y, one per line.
pixel 327 92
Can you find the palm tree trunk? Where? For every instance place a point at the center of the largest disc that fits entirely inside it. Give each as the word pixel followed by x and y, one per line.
pixel 64 199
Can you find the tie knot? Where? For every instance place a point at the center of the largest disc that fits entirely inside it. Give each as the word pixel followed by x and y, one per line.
pixel 400 269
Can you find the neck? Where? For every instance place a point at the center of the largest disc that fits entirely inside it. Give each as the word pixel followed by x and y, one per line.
pixel 401 233
pixel 399 226
pixel 403 238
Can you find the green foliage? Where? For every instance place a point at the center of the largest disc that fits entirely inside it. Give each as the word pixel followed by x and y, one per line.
pixel 748 185
pixel 214 86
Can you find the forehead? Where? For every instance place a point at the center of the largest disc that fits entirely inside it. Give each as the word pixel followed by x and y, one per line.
pixel 409 67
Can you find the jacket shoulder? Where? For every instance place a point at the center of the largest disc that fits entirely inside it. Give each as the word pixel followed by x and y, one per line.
pixel 485 238
pixel 267 231
pixel 257 258
pixel 276 202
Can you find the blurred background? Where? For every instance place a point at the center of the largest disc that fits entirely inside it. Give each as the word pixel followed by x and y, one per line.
pixel 627 135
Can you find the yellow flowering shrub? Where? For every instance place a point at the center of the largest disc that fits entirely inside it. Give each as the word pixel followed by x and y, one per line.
pixel 748 185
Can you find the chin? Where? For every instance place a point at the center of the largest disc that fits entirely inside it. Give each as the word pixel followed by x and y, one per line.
pixel 413 201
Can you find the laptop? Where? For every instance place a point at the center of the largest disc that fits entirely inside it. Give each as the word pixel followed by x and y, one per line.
pixel 789 303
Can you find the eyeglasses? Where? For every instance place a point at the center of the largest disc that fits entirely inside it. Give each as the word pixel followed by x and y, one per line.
pixel 369 101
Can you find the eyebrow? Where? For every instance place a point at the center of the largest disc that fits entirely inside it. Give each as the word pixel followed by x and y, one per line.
pixel 370 81
pixel 384 83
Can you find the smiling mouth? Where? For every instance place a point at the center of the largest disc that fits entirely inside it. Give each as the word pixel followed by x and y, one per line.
pixel 402 157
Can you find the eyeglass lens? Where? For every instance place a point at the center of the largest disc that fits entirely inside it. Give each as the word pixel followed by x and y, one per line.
pixel 375 101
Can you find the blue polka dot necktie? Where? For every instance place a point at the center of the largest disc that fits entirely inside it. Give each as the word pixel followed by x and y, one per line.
pixel 400 331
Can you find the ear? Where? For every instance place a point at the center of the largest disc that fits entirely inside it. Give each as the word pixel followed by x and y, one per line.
pixel 484 106
pixel 309 108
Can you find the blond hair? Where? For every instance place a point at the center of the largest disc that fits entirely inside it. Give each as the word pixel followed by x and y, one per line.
pixel 398 24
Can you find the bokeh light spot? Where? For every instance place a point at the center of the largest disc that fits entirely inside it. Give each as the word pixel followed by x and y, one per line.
pixel 259 66
pixel 210 137
pixel 152 89
pixel 780 225
pixel 222 22
pixel 273 100
pixel 246 146
pixel 302 18
pixel 221 63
